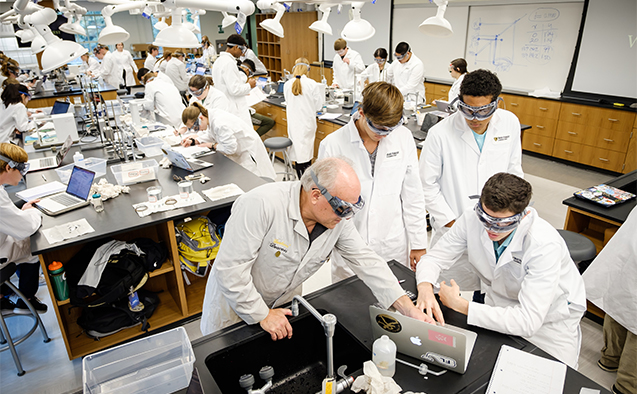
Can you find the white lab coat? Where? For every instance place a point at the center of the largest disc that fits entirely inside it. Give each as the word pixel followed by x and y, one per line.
pixel 238 141
pixel 165 98
pixel 533 291
pixel 125 62
pixel 176 70
pixel 409 78
pixel 454 91
pixel 232 82
pixel 344 74
pixel 110 72
pixel 373 73
pixel 95 66
pixel 265 256
pixel 610 280
pixel 160 65
pixel 150 61
pixel 392 221
pixel 258 64
pixel 16 226
pixel 213 100
pixel 452 169
pixel 13 117
pixel 301 115
pixel 209 55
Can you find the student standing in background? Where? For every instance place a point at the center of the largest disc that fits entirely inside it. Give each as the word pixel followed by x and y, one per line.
pixel 347 63
pixel 408 73
pixel 151 59
pixel 377 72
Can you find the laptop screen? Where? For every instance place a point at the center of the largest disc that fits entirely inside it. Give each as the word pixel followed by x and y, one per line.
pixel 64 149
pixel 80 182
pixel 60 107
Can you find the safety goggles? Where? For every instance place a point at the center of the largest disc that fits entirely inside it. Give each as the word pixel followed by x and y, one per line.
pixel 379 61
pixel 341 52
pixel 199 92
pixel 195 125
pixel 242 47
pixel 246 70
pixel 384 130
pixel 26 94
pixel 497 225
pixel 342 209
pixel 303 64
pixel 22 167
pixel 479 113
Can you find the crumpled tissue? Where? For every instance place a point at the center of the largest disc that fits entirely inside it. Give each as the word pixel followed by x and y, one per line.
pixel 372 382
pixel 108 190
pixel 544 92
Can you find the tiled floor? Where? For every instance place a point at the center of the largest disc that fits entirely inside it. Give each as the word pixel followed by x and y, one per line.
pixel 50 371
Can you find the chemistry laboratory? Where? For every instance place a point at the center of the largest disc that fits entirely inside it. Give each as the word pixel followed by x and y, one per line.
pixel 321 197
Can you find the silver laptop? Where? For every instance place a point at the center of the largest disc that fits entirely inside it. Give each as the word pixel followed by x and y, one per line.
pixel 44 163
pixel 449 347
pixel 75 196
pixel 442 105
pixel 179 160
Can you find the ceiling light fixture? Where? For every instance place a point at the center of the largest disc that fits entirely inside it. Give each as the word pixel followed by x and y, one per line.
pixel 437 25
pixel 358 29
pixel 322 26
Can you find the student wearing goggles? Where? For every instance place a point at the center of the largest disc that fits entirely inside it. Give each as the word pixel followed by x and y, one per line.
pixel 408 73
pixel 22 168
pixel 346 64
pixel 377 71
pixel 497 224
pixel 242 48
pixel 385 161
pixel 342 209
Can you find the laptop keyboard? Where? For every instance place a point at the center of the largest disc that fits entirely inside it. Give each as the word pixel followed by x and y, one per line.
pixel 47 162
pixel 65 199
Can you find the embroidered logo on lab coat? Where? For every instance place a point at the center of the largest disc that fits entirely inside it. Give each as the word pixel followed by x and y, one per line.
pixel 279 246
pixel 501 138
pixel 517 260
pixel 392 154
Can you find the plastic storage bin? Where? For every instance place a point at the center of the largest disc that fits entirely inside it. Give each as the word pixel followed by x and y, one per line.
pixel 98 166
pixel 151 146
pixel 159 364
pixel 135 172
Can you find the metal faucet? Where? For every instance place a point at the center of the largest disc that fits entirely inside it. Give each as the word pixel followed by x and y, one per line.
pixel 247 381
pixel 328 321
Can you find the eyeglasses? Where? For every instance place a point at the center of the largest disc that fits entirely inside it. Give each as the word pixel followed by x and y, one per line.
pixel 497 225
pixel 199 92
pixel 379 61
pixel 479 113
pixel 22 167
pixel 342 209
pixel 384 130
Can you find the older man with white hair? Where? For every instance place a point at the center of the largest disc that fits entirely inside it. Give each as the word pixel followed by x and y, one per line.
pixel 278 235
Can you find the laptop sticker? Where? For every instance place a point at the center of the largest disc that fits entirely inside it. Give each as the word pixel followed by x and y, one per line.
pixel 444 339
pixel 388 323
pixel 440 359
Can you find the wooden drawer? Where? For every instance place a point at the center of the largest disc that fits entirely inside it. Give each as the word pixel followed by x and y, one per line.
pixel 441 90
pixel 282 119
pixel 613 140
pixel 630 163
pixel 603 158
pixel 613 119
pixel 537 143
pixel 324 128
pixel 515 104
pixel 568 150
pixel 543 108
pixel 540 126
pixel 572 132
pixel 271 111
pixel 574 113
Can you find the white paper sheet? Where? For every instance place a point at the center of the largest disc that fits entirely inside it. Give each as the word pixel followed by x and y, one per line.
pixel 330 115
pixel 190 151
pixel 68 230
pixel 519 372
pixel 256 96
pixel 41 191
pixel 221 192
pixel 161 206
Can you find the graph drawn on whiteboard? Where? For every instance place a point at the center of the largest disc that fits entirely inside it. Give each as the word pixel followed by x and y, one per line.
pixel 501 46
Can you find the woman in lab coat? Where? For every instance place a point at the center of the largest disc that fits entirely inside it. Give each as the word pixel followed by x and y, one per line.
pixel 303 97
pixel 532 286
pixel 160 65
pixel 227 134
pixel 377 72
pixel 109 70
pixel 457 69
pixel 176 70
pixel 151 59
pixel 13 111
pixel 94 64
pixel 84 67
pixel 164 97
pixel 392 222
pixel 202 90
pixel 209 53
pixel 124 61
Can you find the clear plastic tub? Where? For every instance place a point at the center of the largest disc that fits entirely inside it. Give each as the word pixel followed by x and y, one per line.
pixel 159 364
pixel 151 146
pixel 135 172
pixel 98 166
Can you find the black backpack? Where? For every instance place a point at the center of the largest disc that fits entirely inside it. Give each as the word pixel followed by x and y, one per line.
pixel 107 319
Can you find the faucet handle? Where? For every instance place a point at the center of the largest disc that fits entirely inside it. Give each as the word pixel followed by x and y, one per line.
pixel 246 381
pixel 341 371
pixel 266 373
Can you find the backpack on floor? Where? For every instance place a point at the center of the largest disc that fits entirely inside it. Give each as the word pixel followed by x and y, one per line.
pixel 107 319
pixel 198 245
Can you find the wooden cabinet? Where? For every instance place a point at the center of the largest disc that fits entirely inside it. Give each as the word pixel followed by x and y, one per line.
pixel 545 127
pixel 316 73
pixel 323 129
pixel 630 163
pixel 429 91
pixel 441 92
pixel 280 53
pixel 575 113
pixel 537 143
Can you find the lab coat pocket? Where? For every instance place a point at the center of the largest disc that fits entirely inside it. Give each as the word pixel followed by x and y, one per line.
pixel 389 177
pixel 511 276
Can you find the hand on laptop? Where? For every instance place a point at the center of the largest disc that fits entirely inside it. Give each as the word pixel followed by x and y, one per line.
pixel 277 324
pixel 427 302
pixel 30 204
pixel 450 297
pixel 405 306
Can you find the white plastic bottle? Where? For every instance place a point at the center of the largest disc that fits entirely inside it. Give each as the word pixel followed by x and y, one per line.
pixel 384 356
pixel 78 157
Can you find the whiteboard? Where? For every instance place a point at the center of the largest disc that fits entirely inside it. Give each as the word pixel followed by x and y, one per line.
pixel 530 46
pixel 435 53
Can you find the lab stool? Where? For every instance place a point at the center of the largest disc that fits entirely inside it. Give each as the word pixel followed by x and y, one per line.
pixel 5 276
pixel 581 249
pixel 281 144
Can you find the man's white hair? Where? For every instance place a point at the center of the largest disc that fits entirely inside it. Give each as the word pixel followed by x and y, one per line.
pixel 326 171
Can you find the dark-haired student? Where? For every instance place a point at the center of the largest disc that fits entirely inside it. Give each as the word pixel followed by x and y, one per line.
pixel 13 111
pixel 532 286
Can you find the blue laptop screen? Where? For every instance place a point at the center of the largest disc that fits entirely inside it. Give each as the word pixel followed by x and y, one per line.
pixel 80 182
pixel 60 107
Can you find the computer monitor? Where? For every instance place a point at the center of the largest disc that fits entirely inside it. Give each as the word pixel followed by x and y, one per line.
pixel 60 107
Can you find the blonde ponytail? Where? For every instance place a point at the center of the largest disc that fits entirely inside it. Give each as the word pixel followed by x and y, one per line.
pixel 193 111
pixel 298 71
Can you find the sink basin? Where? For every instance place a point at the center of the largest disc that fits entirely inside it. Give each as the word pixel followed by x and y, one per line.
pixel 300 363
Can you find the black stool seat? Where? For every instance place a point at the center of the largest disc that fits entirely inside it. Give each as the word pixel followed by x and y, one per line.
pixel 277 143
pixel 580 247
